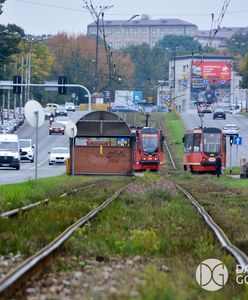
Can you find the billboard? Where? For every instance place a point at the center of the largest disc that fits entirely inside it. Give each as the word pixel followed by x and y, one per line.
pixel 211 82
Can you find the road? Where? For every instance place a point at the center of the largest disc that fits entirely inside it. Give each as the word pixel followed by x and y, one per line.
pixel 45 143
pixel 191 120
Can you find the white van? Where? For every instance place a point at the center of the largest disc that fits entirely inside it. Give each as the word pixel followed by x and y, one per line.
pixel 9 151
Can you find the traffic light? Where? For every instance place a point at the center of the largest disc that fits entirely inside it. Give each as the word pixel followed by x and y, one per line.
pixel 231 139
pixel 17 79
pixel 62 90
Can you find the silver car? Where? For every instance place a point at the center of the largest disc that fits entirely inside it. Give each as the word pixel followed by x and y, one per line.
pixel 231 129
pixel 58 155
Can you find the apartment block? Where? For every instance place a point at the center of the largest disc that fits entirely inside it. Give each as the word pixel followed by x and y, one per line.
pixel 123 33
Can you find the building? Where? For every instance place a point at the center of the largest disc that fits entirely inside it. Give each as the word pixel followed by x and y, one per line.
pixel 201 78
pixel 205 37
pixel 123 33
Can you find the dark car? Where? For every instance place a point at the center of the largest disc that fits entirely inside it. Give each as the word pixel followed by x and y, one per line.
pixel 61 111
pixel 219 114
pixel 56 128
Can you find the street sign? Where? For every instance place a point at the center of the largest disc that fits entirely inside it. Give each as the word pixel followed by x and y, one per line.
pixel 237 140
pixel 51 88
pixel 6 85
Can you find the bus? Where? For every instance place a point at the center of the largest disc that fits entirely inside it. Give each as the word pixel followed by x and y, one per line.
pixel 201 148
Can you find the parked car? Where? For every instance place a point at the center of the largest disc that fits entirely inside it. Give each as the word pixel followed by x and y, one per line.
pixel 62 120
pixel 58 155
pixel 231 129
pixel 56 128
pixel 219 113
pixel 27 149
pixel 70 106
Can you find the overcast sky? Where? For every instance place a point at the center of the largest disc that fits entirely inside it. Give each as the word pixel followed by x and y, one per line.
pixel 52 16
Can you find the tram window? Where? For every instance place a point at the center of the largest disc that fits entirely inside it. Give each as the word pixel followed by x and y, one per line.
pixel 197 142
pixel 150 143
pixel 188 142
pixel 212 142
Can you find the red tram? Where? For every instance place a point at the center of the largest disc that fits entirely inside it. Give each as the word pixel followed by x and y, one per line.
pixel 147 148
pixel 201 148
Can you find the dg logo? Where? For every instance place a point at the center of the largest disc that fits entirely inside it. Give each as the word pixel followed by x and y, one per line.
pixel 211 274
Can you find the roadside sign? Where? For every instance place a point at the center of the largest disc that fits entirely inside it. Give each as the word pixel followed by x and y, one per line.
pixel 237 140
pixel 6 85
pixel 51 88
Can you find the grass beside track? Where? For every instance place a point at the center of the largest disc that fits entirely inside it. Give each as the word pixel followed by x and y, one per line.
pixel 34 229
pixel 21 194
pixel 225 199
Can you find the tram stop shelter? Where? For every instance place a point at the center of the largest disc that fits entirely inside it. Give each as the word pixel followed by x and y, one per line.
pixel 102 146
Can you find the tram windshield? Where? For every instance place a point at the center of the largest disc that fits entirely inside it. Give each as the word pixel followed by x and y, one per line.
pixel 149 143
pixel 212 143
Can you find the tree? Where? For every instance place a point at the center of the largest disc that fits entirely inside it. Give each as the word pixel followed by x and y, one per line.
pixel 1 5
pixel 237 45
pixel 244 72
pixel 183 45
pixel 10 39
pixel 75 58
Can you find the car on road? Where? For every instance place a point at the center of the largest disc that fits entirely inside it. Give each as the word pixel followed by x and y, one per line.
pixel 58 155
pixel 70 106
pixel 27 149
pixel 219 113
pixel 52 107
pixel 9 151
pixel 62 120
pixel 61 111
pixel 56 128
pixel 48 113
pixel 231 129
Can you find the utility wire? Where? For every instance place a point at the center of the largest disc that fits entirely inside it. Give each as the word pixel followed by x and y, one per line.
pixel 120 14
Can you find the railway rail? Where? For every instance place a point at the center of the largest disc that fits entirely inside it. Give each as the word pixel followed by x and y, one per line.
pixel 16 211
pixel 239 255
pixel 34 265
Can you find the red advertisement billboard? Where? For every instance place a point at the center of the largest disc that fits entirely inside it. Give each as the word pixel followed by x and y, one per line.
pixel 210 81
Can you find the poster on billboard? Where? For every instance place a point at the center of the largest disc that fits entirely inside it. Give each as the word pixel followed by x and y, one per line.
pixel 210 82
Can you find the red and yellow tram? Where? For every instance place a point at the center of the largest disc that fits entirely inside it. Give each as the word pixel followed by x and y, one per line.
pixel 147 148
pixel 201 148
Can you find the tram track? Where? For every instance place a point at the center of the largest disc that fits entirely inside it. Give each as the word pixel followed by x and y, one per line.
pixel 35 264
pixel 238 254
pixel 14 212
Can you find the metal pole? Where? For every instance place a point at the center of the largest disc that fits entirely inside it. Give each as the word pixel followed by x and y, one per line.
pixel 230 158
pixel 3 106
pixel 14 105
pixel 8 104
pixel 73 152
pixel 22 89
pixel 96 60
pixel 36 143
pixel 29 69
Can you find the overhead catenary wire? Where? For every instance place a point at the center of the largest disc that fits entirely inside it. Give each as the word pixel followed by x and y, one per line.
pixel 127 14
